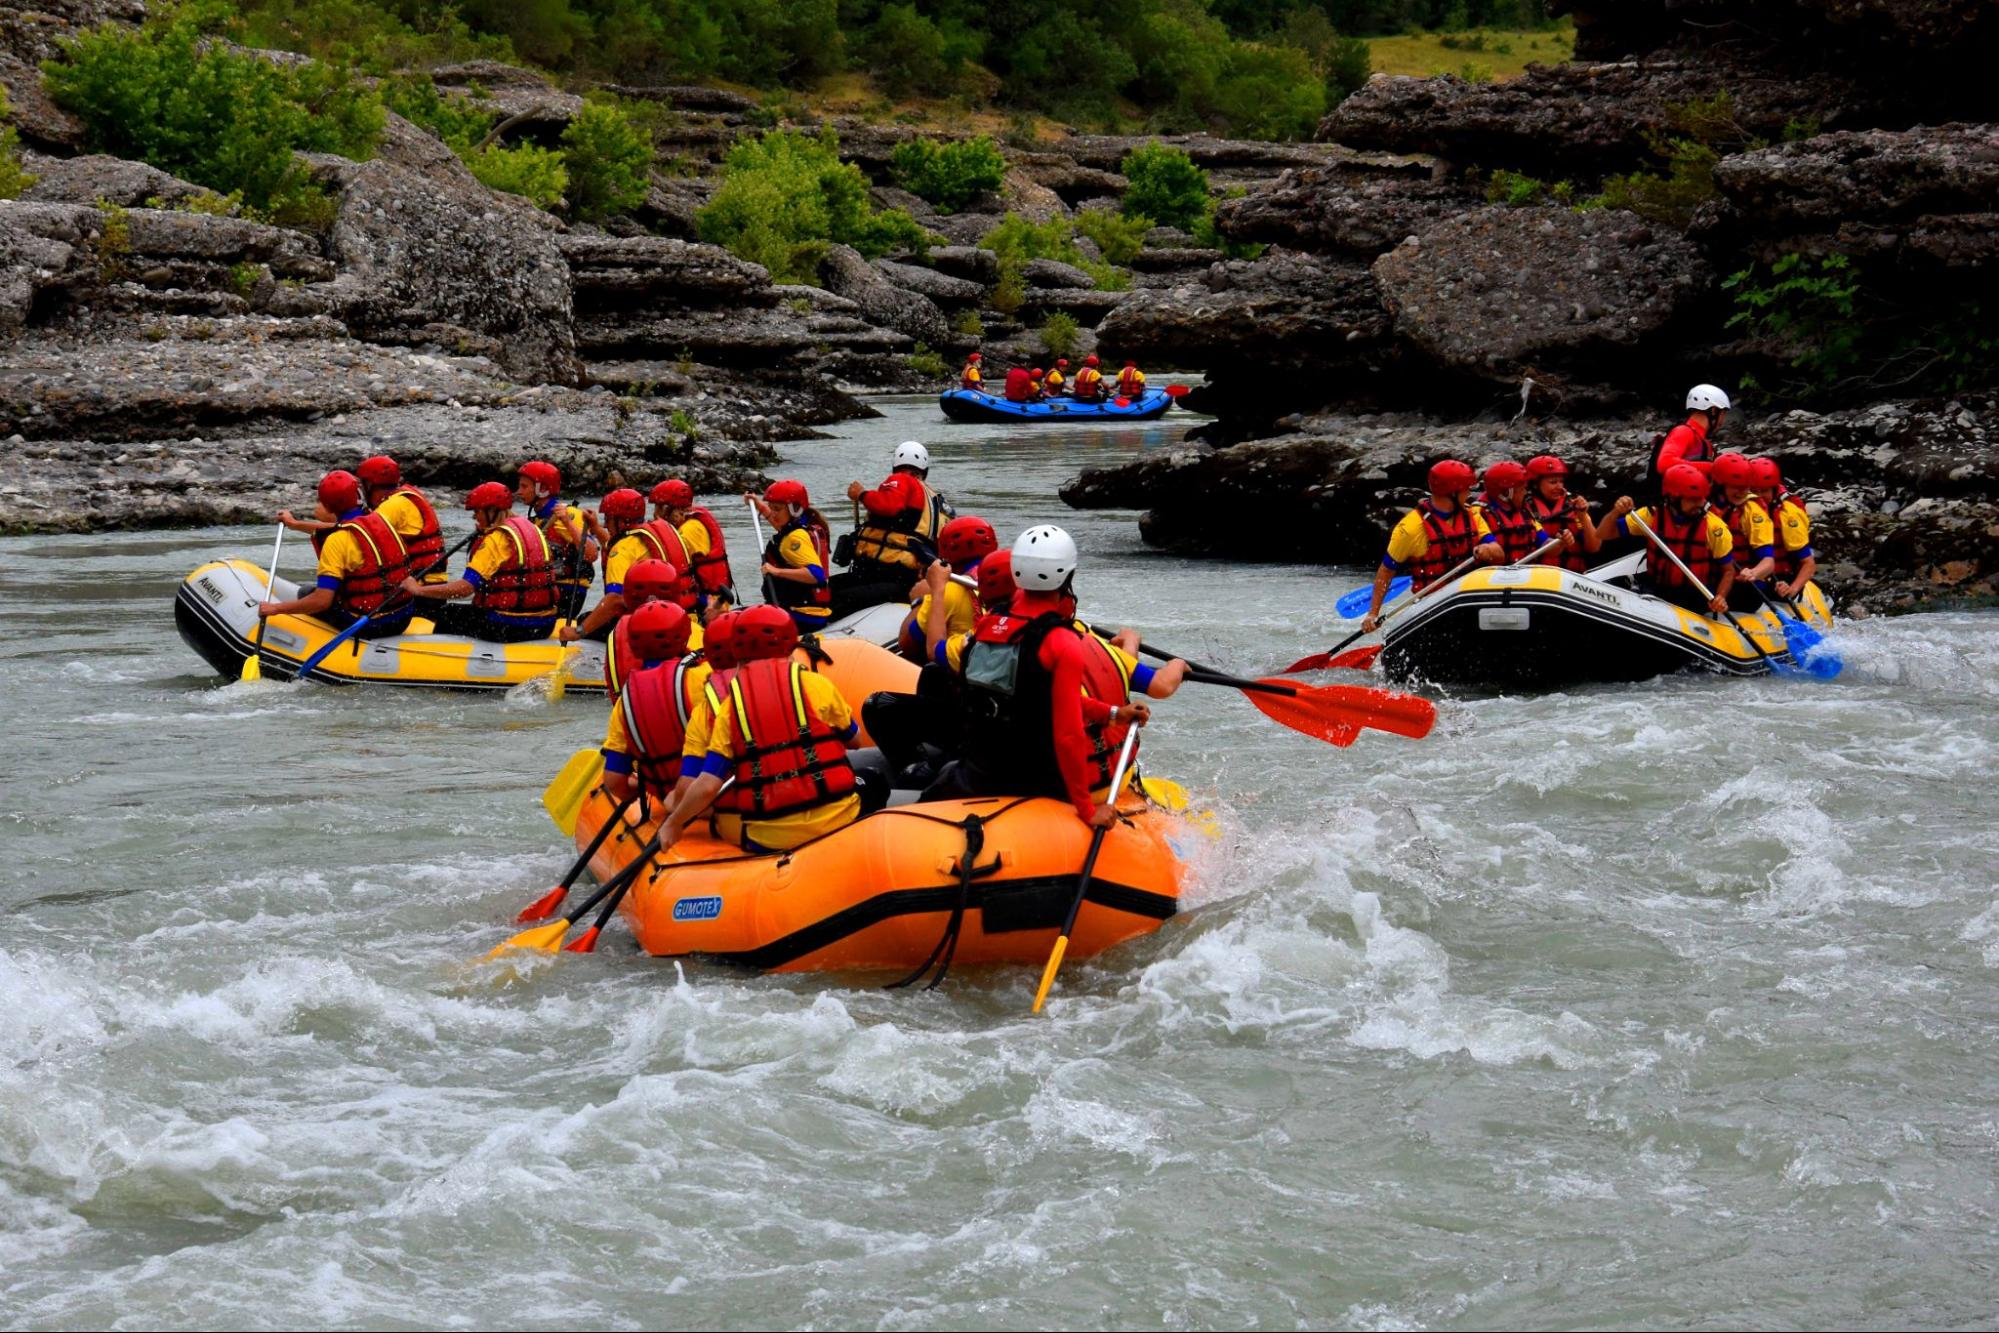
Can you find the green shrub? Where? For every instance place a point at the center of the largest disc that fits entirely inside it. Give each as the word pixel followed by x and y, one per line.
pixel 1015 240
pixel 536 174
pixel 1120 238
pixel 380 38
pixel 910 53
pixel 924 361
pixel 786 196
pixel 1805 307
pixel 1348 64
pixel 1009 292
pixel 209 114
pixel 1515 189
pixel 1704 130
pixel 1210 236
pixel 1165 186
pixel 1269 92
pixel 1057 334
pixel 456 120
pixel 1106 277
pixel 948 175
pixel 609 160
pixel 969 324
pixel 14 178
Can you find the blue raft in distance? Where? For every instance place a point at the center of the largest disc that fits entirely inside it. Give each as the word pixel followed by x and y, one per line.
pixel 970 405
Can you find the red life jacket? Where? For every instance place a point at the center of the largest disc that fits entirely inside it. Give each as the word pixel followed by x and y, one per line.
pixel 426 549
pixel 656 702
pixel 1450 537
pixel 711 571
pixel 523 587
pixel 788 759
pixel 1011 725
pixel 1105 678
pixel 1687 539
pixel 567 556
pixel 790 593
pixel 1519 535
pixel 661 541
pixel 1555 519
pixel 716 691
pixel 1129 384
pixel 1019 386
pixel 384 564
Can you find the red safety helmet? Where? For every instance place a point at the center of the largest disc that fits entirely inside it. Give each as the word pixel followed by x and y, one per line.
pixel 490 495
pixel 966 539
pixel 787 492
pixel 1090 360
pixel 1731 469
pixel 1037 372
pixel 649 580
pixel 1131 365
pixel 996 587
pixel 340 491
pixel 1061 361
pixel 1546 465
pixel 659 630
pixel 379 471
pixel 718 640
pixel 975 357
pixel 1505 475
pixel 543 475
pixel 625 503
pixel 764 631
pixel 1451 477
pixel 673 493
pixel 1765 474
pixel 1684 481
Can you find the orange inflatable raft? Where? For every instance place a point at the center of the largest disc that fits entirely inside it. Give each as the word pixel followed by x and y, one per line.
pixel 990 878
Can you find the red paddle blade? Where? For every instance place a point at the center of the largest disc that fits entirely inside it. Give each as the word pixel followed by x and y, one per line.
pixel 1357 659
pixel 1337 714
pixel 1177 391
pixel 1121 402
pixel 1316 662
pixel 542 908
pixel 584 943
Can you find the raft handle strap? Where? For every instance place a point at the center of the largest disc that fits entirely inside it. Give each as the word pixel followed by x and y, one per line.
pixel 968 870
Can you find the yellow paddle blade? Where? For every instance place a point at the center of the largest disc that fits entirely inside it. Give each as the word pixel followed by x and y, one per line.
pixel 546 938
pixel 1048 973
pixel 563 798
pixel 1165 793
pixel 558 679
pixel 253 668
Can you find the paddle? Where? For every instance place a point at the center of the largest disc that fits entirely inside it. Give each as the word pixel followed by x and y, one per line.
pixel 1336 714
pixel 757 523
pixel 1089 868
pixel 1806 644
pixel 1360 659
pixel 548 938
pixel 558 675
pixel 1632 520
pixel 542 907
pixel 305 671
pixel 1355 604
pixel 1177 391
pixel 1329 658
pixel 253 665
pixel 563 797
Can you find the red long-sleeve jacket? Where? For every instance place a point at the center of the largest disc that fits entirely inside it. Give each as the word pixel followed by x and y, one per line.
pixel 1066 659
pixel 1687 443
pixel 900 492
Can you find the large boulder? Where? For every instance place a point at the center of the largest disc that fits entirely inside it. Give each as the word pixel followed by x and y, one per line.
pixel 1505 292
pixel 43 247
pixel 423 246
pixel 942 288
pixel 845 273
pixel 615 272
pixel 1281 312
pixel 1584 120
pixel 96 176
pixel 1054 273
pixel 528 104
pixel 1358 206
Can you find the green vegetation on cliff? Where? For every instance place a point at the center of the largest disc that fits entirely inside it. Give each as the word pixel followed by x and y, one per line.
pixel 787 196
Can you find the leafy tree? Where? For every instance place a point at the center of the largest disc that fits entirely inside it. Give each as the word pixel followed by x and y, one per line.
pixel 534 173
pixel 949 175
pixel 14 178
pixel 213 115
pixel 786 196
pixel 1120 238
pixel 1165 186
pixel 609 161
pixel 456 120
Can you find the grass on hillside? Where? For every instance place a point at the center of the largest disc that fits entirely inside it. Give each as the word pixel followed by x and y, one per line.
pixel 1494 52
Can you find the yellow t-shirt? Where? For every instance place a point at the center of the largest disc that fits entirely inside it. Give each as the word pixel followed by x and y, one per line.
pixel 1054 381
pixel 339 556
pixel 694 536
pixel 1758 529
pixel 1720 541
pixel 799 551
pixel 1409 543
pixel 788 831
pixel 1794 524
pixel 961 611
pixel 626 551
pixel 400 512
pixel 970 377
pixel 490 552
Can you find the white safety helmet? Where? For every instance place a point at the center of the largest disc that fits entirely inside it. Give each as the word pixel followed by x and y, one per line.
pixel 1043 559
pixel 911 454
pixel 1704 396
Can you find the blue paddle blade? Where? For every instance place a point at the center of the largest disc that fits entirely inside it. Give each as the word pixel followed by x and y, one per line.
pixel 1354 604
pixel 1809 651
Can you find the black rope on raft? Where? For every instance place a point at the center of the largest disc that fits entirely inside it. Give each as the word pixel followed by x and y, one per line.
pixel 968 869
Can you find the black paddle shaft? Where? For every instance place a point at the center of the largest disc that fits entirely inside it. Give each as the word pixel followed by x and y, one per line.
pixel 617 814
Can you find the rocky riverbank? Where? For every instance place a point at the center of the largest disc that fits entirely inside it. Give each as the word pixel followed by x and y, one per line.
pixel 1433 288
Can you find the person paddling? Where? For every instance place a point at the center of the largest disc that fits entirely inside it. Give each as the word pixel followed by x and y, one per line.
pixel 897 537
pixel 1047 706
pixel 1690 442
pixel 646 582
pixel 509 576
pixel 1504 508
pixel 1089 385
pixel 969 378
pixel 961 546
pixel 633 538
pixel 1130 381
pixel 782 733
pixel 1560 514
pixel 571 546
pixel 362 562
pixel 795 558
pixel 701 537
pixel 1055 382
pixel 1019 385
pixel 1749 528
pixel 1691 531
pixel 1796 562
pixel 1439 534
pixel 406 509
pixel 649 716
